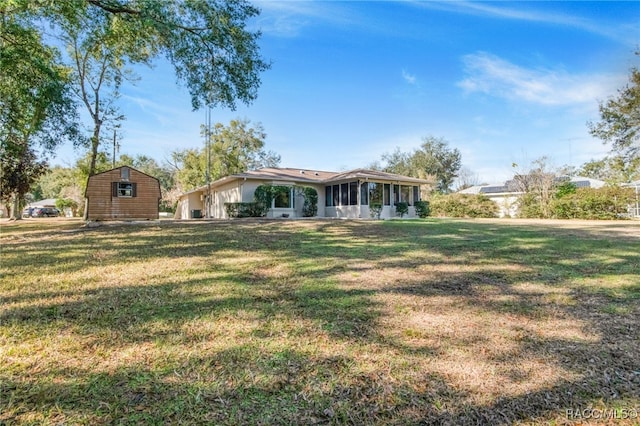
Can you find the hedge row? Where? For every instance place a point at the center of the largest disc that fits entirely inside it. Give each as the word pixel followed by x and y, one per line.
pixel 589 203
pixel 463 205
pixel 235 210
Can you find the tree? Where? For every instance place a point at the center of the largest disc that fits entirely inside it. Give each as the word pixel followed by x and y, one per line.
pixel 538 184
pixel 36 108
pixel 238 147
pixel 466 179
pixel 55 182
pixel 613 169
pixel 190 168
pixel 97 67
pixel 619 122
pixel 433 158
pixel 207 42
pixel 233 149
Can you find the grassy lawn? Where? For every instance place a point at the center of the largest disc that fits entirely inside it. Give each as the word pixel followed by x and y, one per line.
pixel 319 322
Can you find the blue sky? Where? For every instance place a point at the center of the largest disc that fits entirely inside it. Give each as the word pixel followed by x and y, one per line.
pixel 504 82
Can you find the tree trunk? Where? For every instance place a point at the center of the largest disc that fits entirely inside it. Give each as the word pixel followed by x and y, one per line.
pixel 16 213
pixel 95 143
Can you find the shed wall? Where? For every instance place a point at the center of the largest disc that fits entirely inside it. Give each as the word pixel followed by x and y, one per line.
pixel 103 205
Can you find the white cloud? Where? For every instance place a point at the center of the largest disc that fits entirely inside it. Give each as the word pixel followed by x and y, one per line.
pixel 289 18
pixel 623 33
pixel 409 78
pixel 497 77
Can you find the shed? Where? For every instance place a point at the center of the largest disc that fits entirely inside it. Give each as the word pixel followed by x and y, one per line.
pixel 123 193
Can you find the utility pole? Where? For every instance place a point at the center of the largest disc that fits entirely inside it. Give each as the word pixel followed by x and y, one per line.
pixel 208 202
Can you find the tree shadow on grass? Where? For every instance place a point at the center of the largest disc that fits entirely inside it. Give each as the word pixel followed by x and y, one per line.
pixel 262 377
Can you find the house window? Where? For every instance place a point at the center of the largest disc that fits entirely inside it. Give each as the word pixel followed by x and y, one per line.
pixel 123 189
pixel 327 196
pixel 124 173
pixel 282 199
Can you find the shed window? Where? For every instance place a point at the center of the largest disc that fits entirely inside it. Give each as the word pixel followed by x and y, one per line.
pixel 124 189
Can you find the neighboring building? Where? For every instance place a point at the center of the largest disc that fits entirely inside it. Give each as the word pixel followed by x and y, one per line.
pixel 344 194
pixel 123 193
pixel 634 210
pixel 506 195
pixel 48 202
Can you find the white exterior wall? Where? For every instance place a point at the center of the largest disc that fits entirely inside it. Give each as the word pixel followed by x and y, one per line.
pixel 189 202
pixel 507 205
pixel 243 191
pixel 229 193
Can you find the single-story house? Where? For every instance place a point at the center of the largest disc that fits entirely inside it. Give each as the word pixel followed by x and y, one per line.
pixel 48 202
pixel 123 193
pixel 506 195
pixel 340 194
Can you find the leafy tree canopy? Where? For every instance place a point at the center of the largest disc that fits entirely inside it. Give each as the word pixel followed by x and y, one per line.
pixel 36 108
pixel 207 41
pixel 613 169
pixel 433 158
pixel 619 122
pixel 232 149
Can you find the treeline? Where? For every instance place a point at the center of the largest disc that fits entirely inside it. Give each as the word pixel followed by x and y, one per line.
pixel 231 149
pixel 565 202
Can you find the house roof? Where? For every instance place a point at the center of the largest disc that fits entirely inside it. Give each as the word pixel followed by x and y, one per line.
pixel 287 174
pixel 585 182
pixel 376 175
pixel 48 202
pixel 510 187
pixel 120 167
pixel 313 176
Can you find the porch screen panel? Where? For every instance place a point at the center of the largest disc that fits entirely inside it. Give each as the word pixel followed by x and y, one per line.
pixel 336 195
pixel 387 194
pixel 328 196
pixel 364 194
pixel 375 192
pixel 416 194
pixel 405 194
pixel 353 193
pixel 344 194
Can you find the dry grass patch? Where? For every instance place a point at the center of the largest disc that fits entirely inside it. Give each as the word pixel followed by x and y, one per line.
pixel 317 322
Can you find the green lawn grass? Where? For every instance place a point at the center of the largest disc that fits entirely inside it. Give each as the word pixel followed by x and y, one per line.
pixel 318 322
